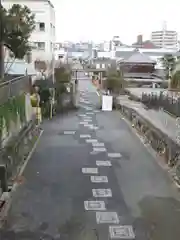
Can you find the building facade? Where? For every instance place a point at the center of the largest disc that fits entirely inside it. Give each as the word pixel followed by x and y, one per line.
pixel 42 39
pixel 165 38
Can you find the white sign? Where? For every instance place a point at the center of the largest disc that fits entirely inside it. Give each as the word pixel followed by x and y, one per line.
pixel 107 102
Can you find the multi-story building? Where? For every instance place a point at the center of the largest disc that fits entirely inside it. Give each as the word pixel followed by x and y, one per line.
pixel 43 37
pixel 140 43
pixel 165 38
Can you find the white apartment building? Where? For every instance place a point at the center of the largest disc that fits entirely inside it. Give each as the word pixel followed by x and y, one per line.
pixel 43 37
pixel 165 38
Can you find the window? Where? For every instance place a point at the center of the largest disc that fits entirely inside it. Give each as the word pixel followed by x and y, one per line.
pixel 38 45
pixel 41 45
pixel 42 26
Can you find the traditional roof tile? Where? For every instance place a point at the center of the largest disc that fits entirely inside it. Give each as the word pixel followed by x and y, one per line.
pixel 139 58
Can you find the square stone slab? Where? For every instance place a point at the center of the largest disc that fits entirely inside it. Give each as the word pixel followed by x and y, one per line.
pixel 85 136
pixel 87 120
pixel 90 113
pixel 94 205
pixel 102 192
pixel 98 144
pixel 91 140
pixel 99 179
pixel 99 149
pixel 82 123
pixel 86 124
pixel 69 132
pixel 91 126
pixel 103 163
pixel 121 232
pixel 95 128
pixel 107 217
pixel 114 155
pixel 90 170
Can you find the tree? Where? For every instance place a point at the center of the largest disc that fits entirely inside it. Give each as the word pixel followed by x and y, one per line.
pixel 114 81
pixel 169 64
pixel 175 80
pixel 62 76
pixel 18 25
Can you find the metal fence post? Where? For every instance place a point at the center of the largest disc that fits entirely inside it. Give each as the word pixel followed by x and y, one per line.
pixel 3 178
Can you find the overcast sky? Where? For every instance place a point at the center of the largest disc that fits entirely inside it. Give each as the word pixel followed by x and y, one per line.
pixel 103 19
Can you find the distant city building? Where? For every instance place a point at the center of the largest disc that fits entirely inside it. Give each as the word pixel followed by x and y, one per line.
pixel 116 41
pixel 143 44
pixel 165 38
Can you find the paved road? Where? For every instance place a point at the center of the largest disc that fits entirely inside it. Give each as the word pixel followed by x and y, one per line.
pixel 91 178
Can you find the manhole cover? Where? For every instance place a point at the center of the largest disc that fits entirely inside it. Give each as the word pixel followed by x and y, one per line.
pixel 103 163
pixel 99 179
pixel 85 136
pixel 102 192
pixel 69 132
pixel 91 140
pixel 121 232
pixel 99 149
pixel 98 144
pixel 114 155
pixel 90 170
pixel 94 205
pixel 107 217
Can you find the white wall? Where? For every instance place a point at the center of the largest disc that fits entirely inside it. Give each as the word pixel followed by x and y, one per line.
pixel 44 12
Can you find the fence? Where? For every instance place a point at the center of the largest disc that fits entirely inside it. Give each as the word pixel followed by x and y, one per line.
pixel 13 87
pixel 169 103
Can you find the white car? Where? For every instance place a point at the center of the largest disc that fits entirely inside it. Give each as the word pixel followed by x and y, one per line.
pixel 86 74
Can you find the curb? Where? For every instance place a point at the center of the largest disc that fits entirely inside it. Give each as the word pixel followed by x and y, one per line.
pixel 6 197
pixel 15 185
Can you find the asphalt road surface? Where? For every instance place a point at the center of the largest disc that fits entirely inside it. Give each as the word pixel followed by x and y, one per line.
pixel 91 178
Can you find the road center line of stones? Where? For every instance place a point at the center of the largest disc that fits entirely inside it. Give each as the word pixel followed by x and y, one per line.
pixel 102 216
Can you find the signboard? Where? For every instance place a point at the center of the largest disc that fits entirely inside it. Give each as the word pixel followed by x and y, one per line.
pixel 107 103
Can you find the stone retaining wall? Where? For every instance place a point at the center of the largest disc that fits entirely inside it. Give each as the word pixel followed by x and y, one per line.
pixel 165 147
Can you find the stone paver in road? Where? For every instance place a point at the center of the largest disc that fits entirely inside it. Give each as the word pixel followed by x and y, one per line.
pixel 69 193
pixel 103 163
pixel 102 193
pixel 94 205
pixel 107 217
pixel 99 179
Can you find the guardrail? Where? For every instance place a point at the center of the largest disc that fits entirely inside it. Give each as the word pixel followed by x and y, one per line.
pixel 13 87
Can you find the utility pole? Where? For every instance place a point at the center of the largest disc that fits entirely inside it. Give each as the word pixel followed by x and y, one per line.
pixel 1 43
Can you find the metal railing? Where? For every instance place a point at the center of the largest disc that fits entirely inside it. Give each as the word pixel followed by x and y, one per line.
pixel 13 87
pixel 170 104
